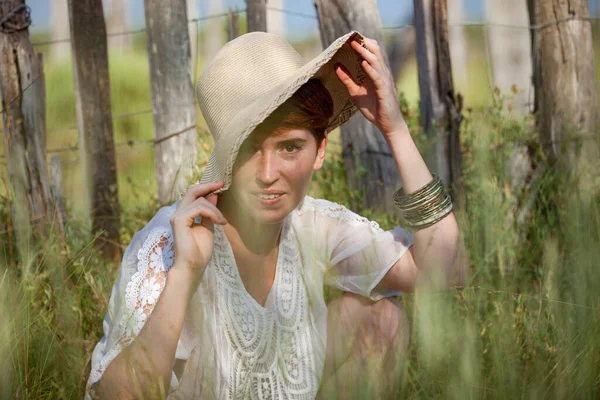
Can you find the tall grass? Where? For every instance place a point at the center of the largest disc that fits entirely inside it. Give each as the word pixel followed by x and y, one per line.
pixel 526 326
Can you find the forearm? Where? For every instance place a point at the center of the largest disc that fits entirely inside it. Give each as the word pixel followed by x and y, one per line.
pixel 435 248
pixel 146 364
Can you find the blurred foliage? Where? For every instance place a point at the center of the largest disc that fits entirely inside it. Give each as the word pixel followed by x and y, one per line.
pixel 526 326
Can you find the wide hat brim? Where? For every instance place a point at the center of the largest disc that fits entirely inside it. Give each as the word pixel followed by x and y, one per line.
pixel 220 163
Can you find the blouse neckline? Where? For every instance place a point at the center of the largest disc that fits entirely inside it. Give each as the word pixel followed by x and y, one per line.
pixel 270 304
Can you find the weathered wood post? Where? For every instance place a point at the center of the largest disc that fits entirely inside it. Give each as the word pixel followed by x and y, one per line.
pixel 192 14
pixel 568 102
pixel 275 18
pixel 233 29
pixel 56 183
pixel 118 22
pixel 458 40
pixel 440 105
pixel 60 30
pixel 168 45
pixel 257 15
pixel 510 51
pixel 215 39
pixel 94 122
pixel 24 105
pixel 364 147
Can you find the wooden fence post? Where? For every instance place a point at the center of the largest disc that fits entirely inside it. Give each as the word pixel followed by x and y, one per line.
pixel 94 122
pixel 56 183
pixel 458 40
pixel 568 102
pixel 364 147
pixel 192 13
pixel 118 22
pixel 232 25
pixel 275 18
pixel 440 105
pixel 24 115
pixel 60 30
pixel 215 36
pixel 510 52
pixel 257 15
pixel 172 96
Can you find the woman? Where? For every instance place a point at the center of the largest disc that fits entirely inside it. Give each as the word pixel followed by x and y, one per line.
pixel 221 294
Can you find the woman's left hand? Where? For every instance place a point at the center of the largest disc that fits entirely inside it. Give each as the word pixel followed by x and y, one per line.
pixel 375 96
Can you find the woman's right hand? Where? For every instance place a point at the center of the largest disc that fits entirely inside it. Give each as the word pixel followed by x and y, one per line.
pixel 194 242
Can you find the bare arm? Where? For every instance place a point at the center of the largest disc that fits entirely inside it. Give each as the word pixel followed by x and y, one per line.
pixel 435 249
pixel 144 367
pixel 433 256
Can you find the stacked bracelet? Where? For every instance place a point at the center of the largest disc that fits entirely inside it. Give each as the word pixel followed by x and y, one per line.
pixel 426 206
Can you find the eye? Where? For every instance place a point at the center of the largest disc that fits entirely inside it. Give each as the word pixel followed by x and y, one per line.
pixel 291 148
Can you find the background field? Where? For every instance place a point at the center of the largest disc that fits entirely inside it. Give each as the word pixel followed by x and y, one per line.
pixel 527 326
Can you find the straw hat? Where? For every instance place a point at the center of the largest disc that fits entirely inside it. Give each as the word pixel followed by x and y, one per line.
pixel 254 74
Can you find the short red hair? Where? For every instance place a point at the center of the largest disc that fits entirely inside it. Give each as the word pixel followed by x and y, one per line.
pixel 311 107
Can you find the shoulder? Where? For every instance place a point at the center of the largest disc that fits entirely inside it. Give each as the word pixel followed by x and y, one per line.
pixel 154 239
pixel 320 209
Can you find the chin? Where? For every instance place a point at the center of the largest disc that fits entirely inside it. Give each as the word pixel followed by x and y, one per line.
pixel 273 215
pixel 270 218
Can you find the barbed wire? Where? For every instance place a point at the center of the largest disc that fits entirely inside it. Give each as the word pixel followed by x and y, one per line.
pixel 314 17
pixel 534 27
pixel 196 21
pixel 293 13
pixel 22 13
pixel 130 143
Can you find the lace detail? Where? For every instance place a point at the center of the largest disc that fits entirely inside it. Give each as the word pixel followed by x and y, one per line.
pixel 271 350
pixel 155 258
pixel 334 210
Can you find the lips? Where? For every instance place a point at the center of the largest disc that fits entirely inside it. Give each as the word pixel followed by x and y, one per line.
pixel 269 197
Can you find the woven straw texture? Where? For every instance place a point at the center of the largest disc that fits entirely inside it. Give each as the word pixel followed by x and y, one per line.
pixel 254 74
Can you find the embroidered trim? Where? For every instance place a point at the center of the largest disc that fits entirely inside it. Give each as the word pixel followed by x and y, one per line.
pixel 155 258
pixel 271 350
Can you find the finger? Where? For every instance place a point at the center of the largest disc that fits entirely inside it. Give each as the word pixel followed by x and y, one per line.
pixel 200 208
pixel 199 190
pixel 208 223
pixel 372 73
pixel 373 46
pixel 209 206
pixel 366 54
pixel 376 49
pixel 212 199
pixel 344 75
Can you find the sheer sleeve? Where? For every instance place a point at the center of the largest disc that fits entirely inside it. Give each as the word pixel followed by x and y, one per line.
pixel 142 278
pixel 358 252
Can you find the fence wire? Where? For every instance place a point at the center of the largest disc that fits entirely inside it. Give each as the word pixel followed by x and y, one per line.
pixel 149 143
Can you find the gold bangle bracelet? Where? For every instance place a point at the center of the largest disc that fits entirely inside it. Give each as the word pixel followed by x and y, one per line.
pixel 425 203
pixel 402 199
pixel 425 214
pixel 437 193
pixel 433 220
pixel 425 206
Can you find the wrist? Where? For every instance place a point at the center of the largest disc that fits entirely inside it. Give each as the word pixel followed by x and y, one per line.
pixel 400 130
pixel 184 278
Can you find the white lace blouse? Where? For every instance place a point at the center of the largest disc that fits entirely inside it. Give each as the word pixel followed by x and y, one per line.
pixel 234 347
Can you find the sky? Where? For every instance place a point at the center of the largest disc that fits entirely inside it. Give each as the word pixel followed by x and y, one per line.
pixel 392 12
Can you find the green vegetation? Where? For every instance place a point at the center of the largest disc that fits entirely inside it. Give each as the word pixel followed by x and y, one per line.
pixel 527 325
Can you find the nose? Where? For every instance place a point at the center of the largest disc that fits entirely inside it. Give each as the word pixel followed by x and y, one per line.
pixel 268 170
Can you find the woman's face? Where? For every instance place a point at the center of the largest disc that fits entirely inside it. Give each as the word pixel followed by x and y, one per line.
pixel 272 173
